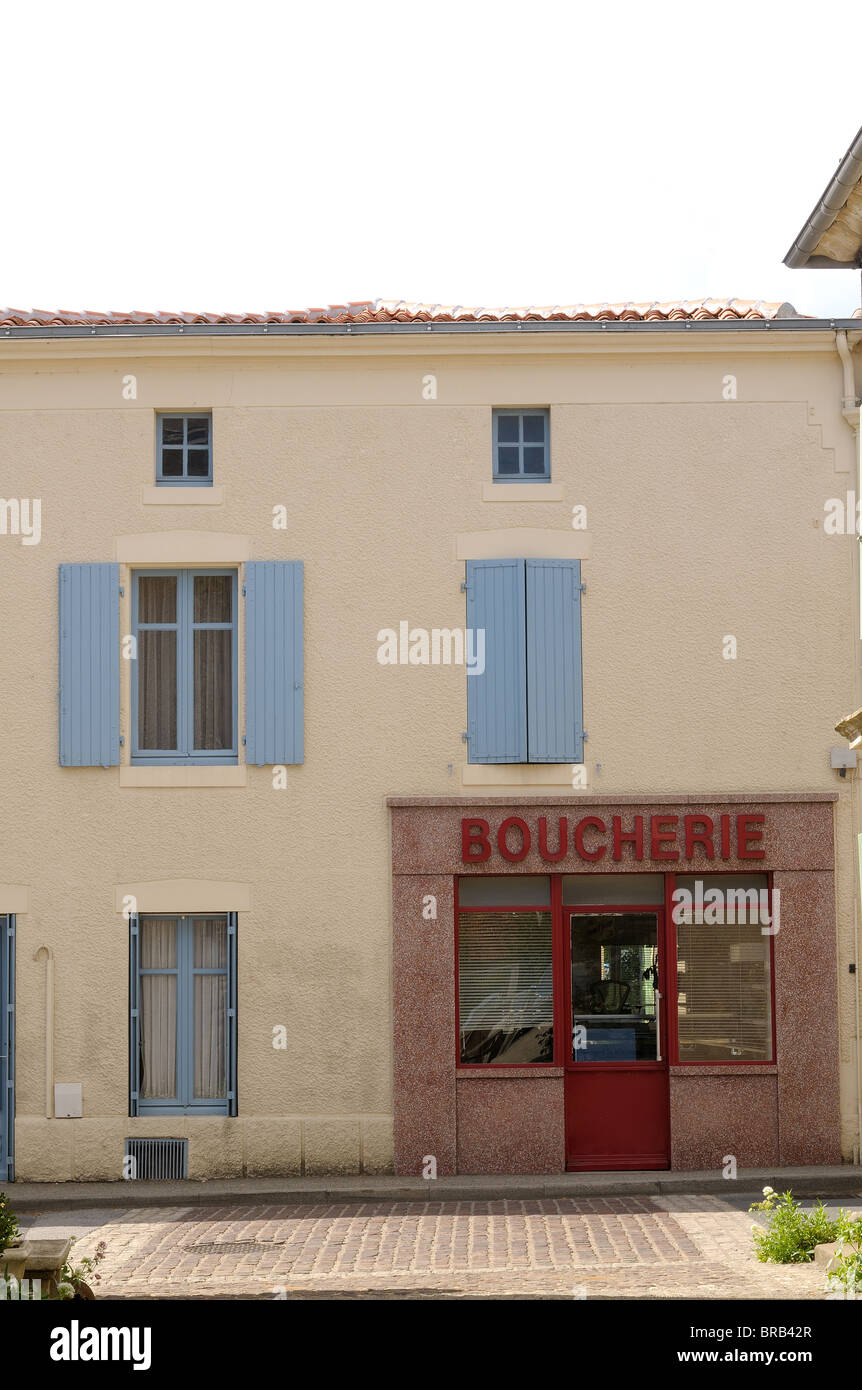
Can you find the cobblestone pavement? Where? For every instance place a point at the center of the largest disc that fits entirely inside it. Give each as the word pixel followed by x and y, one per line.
pixel 620 1247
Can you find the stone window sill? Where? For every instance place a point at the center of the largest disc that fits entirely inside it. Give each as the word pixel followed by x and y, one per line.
pixel 507 1073
pixel 522 492
pixel 195 776
pixel 182 496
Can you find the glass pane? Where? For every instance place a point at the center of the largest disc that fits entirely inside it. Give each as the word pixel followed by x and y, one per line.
pixel 592 889
pixel 198 430
pixel 210 943
pixel 534 460
pixel 507 429
pixel 505 987
pixel 157 689
pixel 172 463
pixel 158 943
pixel 713 898
pixel 614 980
pixel 724 1004
pixel 507 461
pixel 213 598
pixel 198 463
pixel 534 429
pixel 210 1037
pixel 504 890
pixel 213 688
pixel 172 429
pixel 157 598
pixel 158 1022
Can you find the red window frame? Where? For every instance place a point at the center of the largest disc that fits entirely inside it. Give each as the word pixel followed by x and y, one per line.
pixel 558 912
pixel 673 986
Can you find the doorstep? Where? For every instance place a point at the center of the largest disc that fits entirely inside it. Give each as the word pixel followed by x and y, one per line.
pixel 840 1181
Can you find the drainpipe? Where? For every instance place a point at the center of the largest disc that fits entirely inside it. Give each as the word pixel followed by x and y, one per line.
pixel 47 955
pixel 849 404
pixel 850 411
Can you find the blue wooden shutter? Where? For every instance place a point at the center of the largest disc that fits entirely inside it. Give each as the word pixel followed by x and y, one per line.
pixel 497 699
pixel 7 1049
pixel 555 720
pixel 134 1014
pixel 89 665
pixel 273 662
pixel 231 1014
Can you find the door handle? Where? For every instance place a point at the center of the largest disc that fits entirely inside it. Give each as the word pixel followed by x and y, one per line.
pixel 658 998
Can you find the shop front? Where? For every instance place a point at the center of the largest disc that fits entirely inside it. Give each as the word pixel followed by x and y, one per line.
pixel 619 985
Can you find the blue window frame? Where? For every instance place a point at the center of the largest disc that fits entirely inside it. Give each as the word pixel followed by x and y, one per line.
pixel 182 998
pixel 7 1049
pixel 184 455
pixel 522 446
pixel 184 681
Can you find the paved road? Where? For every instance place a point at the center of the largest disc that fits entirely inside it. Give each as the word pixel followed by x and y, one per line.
pixel 613 1247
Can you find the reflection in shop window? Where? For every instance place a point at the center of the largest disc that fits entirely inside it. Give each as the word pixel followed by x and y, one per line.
pixel 614 983
pixel 505 982
pixel 723 975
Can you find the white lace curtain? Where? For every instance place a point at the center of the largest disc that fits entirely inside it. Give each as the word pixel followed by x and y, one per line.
pixel 159 952
pixel 211 660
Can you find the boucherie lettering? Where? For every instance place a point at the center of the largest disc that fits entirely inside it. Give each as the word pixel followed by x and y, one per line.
pixel 663 838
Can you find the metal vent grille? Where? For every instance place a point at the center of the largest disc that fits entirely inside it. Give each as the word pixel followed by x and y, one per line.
pixel 157 1159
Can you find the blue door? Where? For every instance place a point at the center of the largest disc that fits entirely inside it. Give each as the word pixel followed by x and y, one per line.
pixel 7 1048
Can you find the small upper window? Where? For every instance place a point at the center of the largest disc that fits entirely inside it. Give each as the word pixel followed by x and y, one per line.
pixel 522 446
pixel 184 456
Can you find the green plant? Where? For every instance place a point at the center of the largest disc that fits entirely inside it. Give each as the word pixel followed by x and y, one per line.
pixel 8 1223
pixel 791 1233
pixel 70 1276
pixel 844 1276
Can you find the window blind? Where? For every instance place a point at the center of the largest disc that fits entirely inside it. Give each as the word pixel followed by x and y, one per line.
pixel 724 996
pixel 505 987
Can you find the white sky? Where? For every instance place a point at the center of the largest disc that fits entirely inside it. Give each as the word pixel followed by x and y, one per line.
pixel 240 156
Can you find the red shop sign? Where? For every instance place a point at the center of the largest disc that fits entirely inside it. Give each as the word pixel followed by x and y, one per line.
pixel 662 839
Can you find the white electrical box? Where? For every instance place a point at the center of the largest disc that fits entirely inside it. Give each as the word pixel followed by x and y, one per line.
pixel 842 757
pixel 68 1101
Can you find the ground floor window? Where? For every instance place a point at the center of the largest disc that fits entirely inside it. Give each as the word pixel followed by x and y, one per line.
pixel 183 1015
pixel 724 969
pixel 614 968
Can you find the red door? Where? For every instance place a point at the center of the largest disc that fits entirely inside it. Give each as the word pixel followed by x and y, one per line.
pixel 617 1113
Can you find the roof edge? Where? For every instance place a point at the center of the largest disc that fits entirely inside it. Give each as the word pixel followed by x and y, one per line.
pixel 827 208
pixel 48 332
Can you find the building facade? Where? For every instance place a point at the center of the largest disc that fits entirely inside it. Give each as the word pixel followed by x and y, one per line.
pixel 417 733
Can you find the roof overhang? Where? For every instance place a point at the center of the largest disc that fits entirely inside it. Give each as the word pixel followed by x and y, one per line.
pixel 832 236
pixel 751 328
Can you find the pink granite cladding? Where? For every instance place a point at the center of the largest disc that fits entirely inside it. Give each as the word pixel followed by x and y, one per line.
pixel 423 988
pixel 426 833
pixel 511 1125
pixel 806 1020
pixel 714 1116
pixel 487 1124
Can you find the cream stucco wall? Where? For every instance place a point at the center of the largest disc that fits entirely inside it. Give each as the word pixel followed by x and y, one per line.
pixel 705 519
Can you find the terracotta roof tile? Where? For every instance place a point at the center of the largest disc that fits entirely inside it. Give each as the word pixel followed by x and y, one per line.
pixel 405 311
